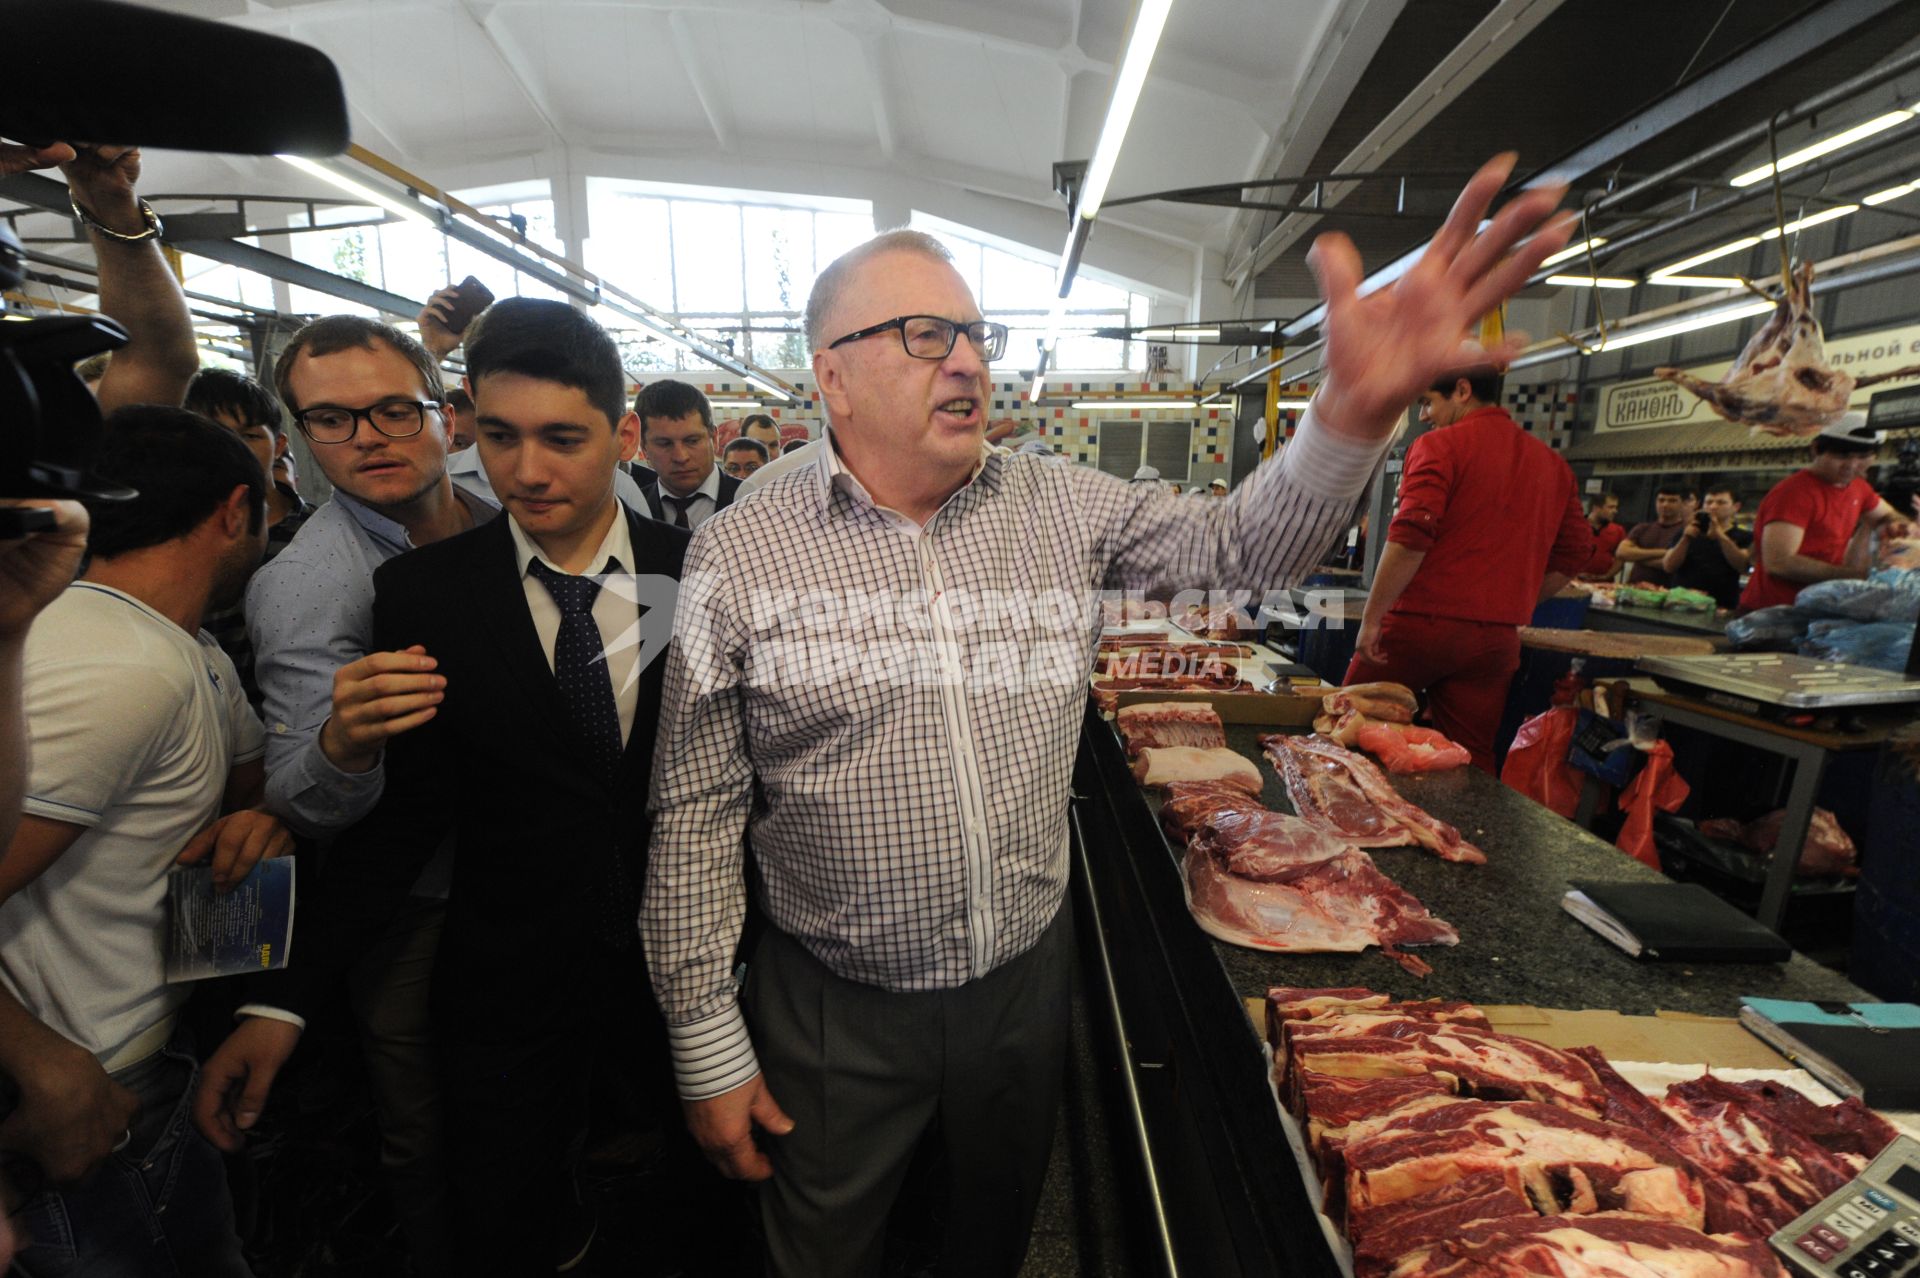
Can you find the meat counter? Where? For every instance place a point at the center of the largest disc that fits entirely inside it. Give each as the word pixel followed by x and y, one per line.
pixel 1220 1185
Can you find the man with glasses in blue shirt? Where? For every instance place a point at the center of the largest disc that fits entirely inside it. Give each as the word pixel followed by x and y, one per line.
pixel 370 401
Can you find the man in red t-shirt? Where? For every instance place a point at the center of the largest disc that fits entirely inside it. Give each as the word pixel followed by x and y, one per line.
pixel 1488 525
pixel 1607 535
pixel 1817 524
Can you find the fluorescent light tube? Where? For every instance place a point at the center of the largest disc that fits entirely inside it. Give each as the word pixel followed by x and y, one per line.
pixel 1617 340
pixel 1591 281
pixel 1879 124
pixel 735 403
pixel 765 385
pixel 1574 250
pixel 1149 23
pixel 1134 403
pixel 1891 193
pixel 1815 219
pixel 359 190
pixel 1744 242
pixel 1175 334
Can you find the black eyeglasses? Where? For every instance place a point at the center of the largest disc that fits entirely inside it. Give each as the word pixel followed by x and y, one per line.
pixel 930 337
pixel 394 418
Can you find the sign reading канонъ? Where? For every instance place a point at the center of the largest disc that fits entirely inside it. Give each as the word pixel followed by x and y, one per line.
pixel 1652 401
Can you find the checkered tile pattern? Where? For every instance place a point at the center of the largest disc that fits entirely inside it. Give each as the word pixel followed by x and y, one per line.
pixel 1544 410
pixel 910 833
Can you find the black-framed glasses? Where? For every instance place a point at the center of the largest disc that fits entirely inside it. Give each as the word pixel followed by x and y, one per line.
pixel 394 418
pixel 930 337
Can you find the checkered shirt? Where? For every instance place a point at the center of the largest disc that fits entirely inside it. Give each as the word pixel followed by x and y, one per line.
pixel 912 734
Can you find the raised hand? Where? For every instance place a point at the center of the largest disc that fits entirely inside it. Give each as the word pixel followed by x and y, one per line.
pixel 102 179
pixel 15 158
pixel 379 696
pixel 439 339
pixel 1383 349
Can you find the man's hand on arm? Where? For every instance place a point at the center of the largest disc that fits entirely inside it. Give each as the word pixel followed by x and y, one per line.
pixel 723 1128
pixel 1384 349
pixel 1628 552
pixel 237 842
pixel 237 1078
pixel 378 697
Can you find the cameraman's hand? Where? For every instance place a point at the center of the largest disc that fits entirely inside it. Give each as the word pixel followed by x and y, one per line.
pixel 102 179
pixel 15 158
pixel 36 568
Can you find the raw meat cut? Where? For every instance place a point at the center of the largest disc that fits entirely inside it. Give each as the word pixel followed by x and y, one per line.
pixel 1385 702
pixel 1405 748
pixel 1164 765
pixel 1106 691
pixel 1189 803
pixel 1616 1245
pixel 1479 1063
pixel 1395 1229
pixel 1742 1137
pixel 1268 847
pixel 1170 723
pixel 1346 794
pixel 1286 1003
pixel 1326 794
pixel 1561 1161
pixel 1826 850
pixel 1781 384
pixel 1341 729
pixel 1338 905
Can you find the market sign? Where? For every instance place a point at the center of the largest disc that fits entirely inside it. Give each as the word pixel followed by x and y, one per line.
pixel 1653 401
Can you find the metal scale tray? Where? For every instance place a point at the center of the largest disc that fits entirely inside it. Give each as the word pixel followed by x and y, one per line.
pixel 1779 679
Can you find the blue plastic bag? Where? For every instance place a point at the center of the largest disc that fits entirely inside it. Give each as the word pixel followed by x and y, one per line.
pixel 1775 629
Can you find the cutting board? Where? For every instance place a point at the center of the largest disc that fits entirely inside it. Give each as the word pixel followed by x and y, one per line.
pixel 1613 643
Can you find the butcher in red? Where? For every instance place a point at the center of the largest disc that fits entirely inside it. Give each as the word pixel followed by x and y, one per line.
pixel 1816 524
pixel 1488 525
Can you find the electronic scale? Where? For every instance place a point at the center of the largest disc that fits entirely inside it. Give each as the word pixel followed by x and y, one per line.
pixel 1869 1228
pixel 1770 683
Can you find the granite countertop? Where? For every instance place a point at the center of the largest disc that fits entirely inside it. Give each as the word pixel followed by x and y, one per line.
pixel 1631 617
pixel 1516 944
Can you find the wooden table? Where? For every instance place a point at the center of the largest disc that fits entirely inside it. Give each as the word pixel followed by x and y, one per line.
pixel 1614 645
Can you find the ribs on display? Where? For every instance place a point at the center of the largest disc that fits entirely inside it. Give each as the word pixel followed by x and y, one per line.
pixel 1444 1148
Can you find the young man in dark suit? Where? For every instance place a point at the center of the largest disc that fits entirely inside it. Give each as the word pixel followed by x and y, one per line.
pixel 676 438
pixel 547 626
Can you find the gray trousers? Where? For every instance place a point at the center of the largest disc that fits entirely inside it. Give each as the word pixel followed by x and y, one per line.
pixel 865 1073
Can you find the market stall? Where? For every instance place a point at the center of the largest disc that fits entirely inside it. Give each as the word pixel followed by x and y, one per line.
pixel 1229 1191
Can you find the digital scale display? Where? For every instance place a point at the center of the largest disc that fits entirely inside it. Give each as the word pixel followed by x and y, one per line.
pixel 1870 1228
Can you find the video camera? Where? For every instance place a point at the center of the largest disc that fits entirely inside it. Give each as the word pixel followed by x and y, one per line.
pixel 100 71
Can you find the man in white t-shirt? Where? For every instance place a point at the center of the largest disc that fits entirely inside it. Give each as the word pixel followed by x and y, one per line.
pixel 140 739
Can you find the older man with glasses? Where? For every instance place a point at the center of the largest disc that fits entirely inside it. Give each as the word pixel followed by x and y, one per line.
pixel 903 777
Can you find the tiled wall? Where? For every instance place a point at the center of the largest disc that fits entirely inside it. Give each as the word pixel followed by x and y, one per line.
pixel 1543 409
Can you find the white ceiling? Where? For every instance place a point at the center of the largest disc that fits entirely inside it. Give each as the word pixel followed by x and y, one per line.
pixel 955 107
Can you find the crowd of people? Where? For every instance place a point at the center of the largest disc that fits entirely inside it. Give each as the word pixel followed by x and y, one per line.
pixel 585 868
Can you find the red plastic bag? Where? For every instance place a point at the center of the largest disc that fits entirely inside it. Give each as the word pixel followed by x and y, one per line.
pixel 1537 764
pixel 1657 786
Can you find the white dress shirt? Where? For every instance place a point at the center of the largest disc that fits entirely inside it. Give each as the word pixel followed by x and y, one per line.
pixel 614 608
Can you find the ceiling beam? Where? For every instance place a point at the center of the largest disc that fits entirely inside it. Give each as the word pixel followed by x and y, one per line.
pixel 1489 41
pixel 526 78
pixel 279 267
pixel 705 91
pixel 883 89
pixel 1334 67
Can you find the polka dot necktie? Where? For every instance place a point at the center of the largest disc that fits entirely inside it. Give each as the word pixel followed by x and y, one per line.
pixel 679 505
pixel 586 690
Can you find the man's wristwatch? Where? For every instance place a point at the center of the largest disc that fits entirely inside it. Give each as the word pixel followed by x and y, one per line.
pixel 147 215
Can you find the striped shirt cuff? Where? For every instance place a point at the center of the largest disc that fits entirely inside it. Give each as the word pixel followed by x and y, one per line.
pixel 1319 460
pixel 712 1055
pixel 270 1013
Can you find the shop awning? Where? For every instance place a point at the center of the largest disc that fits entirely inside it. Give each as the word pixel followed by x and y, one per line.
pixel 1688 443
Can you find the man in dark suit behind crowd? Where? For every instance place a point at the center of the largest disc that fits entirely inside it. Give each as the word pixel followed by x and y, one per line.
pixel 546 626
pixel 676 439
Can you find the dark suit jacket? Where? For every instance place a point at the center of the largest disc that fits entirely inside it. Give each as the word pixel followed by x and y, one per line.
pixel 500 767
pixel 650 490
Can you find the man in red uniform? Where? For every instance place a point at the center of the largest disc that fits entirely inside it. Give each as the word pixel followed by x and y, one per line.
pixel 1817 524
pixel 1607 535
pixel 1488 525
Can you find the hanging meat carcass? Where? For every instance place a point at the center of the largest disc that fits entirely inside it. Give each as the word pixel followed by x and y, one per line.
pixel 1781 383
